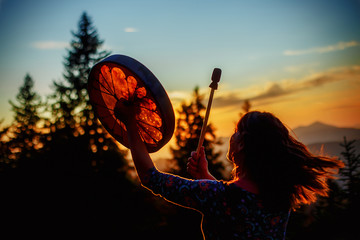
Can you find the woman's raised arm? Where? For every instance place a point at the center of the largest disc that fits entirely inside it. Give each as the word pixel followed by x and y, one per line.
pixel 139 152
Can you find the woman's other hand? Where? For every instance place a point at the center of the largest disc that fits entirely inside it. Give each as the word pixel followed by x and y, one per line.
pixel 197 166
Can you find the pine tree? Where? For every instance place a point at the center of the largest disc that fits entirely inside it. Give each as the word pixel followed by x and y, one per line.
pixel 77 141
pixel 24 133
pixel 187 135
pixel 350 174
pixel 5 152
pixel 71 95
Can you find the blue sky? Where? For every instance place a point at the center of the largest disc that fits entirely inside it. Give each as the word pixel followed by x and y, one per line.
pixel 269 49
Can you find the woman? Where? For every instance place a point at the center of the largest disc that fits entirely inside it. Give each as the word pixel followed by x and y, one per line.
pixel 273 174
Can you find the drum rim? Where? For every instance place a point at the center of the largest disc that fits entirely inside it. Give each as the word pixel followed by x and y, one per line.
pixel 151 83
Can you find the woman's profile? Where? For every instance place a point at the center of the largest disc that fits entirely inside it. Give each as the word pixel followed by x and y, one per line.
pixel 273 174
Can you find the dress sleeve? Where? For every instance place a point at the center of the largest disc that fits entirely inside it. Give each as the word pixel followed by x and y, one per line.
pixel 196 194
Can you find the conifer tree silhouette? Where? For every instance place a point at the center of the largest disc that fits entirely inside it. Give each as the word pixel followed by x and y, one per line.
pixel 71 95
pixel 350 174
pixel 24 134
pixel 75 133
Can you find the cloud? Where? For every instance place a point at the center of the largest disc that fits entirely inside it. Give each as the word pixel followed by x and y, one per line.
pixel 49 45
pixel 228 99
pixel 130 29
pixel 178 97
pixel 306 67
pixel 336 47
pixel 332 75
pixel 274 90
pixel 312 81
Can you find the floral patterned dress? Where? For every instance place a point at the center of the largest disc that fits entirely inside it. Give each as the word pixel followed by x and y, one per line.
pixel 229 212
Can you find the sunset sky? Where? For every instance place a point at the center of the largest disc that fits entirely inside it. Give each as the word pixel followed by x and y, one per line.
pixel 297 59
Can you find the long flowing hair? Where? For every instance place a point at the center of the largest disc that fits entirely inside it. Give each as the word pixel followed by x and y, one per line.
pixel 286 173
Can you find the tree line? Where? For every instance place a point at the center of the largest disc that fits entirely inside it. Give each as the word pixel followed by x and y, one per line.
pixel 58 163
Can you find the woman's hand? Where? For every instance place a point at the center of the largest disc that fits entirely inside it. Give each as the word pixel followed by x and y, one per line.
pixel 125 111
pixel 197 166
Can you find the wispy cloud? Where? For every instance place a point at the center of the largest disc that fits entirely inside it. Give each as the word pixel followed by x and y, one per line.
pixel 330 48
pixel 130 29
pixel 273 90
pixel 49 45
pixel 305 67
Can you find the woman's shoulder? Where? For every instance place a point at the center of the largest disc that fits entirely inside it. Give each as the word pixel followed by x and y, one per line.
pixel 239 195
pixel 235 187
pixel 243 186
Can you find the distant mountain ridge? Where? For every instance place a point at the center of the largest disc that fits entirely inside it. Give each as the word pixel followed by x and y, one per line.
pixel 319 132
pixel 325 139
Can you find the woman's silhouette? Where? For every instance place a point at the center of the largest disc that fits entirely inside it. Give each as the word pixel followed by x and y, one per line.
pixel 273 174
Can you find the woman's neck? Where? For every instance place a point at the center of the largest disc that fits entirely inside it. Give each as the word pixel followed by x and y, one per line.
pixel 246 184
